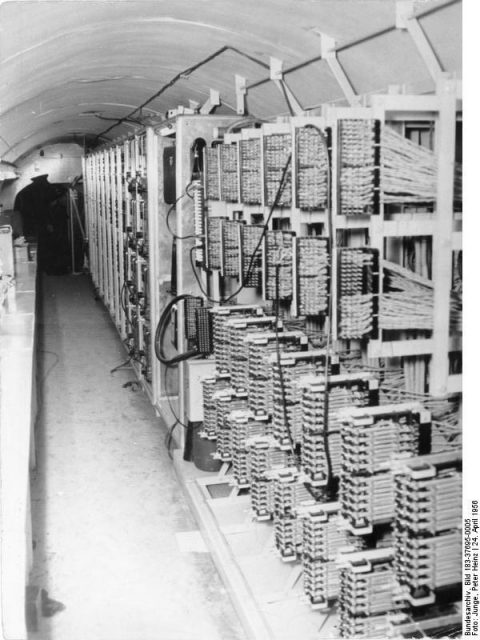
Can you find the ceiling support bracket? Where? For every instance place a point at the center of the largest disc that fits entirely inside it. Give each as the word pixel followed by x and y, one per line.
pixel 194 106
pixel 276 74
pixel 241 94
pixel 329 54
pixel 212 102
pixel 405 19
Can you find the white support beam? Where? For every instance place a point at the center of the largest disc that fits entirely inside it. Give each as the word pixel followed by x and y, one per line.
pixel 240 92
pixel 276 74
pixel 330 55
pixel 212 102
pixel 276 69
pixel 443 236
pixel 405 19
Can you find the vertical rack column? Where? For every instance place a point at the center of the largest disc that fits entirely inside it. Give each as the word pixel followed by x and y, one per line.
pixel 443 235
pixel 153 257
pixel 119 237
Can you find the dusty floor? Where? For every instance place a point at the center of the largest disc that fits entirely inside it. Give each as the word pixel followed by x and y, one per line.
pixel 108 514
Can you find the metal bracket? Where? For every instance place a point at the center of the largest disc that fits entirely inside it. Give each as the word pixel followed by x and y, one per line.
pixel 212 102
pixel 240 92
pixel 405 19
pixel 194 105
pixel 329 54
pixel 276 74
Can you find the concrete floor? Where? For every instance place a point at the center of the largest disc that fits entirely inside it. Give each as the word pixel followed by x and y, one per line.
pixel 108 514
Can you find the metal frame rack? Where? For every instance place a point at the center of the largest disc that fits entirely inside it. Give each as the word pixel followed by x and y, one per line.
pixel 296 243
pixel 365 213
pixel 130 243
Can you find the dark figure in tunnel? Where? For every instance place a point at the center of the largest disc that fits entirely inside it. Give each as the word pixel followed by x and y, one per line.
pixel 44 212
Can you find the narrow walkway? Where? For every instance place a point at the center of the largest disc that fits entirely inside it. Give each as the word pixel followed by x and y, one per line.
pixel 108 515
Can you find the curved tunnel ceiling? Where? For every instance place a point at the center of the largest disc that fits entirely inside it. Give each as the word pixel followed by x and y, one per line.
pixel 70 69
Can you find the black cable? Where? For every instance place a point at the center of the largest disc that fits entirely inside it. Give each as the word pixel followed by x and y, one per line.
pixel 122 365
pixel 182 75
pixel 252 259
pixel 331 483
pixel 169 439
pixel 172 410
pixel 160 333
pixel 280 369
pixel 167 219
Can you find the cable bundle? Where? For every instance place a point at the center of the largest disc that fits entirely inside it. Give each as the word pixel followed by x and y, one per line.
pixel 278 265
pixel 356 273
pixel 229 172
pixel 276 150
pixel 409 170
pixel 312 168
pixel 408 302
pixel 214 242
pixel 212 180
pixel 251 171
pixel 250 236
pixel 357 166
pixel 210 386
pixel 313 262
pixel 445 436
pixel 245 426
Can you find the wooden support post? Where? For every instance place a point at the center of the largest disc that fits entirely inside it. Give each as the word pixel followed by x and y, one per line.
pixel 443 235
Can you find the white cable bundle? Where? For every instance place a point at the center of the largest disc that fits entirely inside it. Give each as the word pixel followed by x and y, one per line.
pixel 409 171
pixel 409 303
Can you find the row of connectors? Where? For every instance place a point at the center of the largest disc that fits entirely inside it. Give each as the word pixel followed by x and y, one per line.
pixel 287 389
pixel 372 438
pixel 210 386
pixel 245 425
pixel 368 593
pixel 264 456
pixel 227 402
pixel 323 540
pixel 428 541
pixel 348 390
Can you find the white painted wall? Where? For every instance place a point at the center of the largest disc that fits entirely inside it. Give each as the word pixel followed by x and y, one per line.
pixel 62 162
